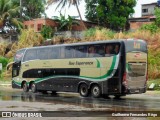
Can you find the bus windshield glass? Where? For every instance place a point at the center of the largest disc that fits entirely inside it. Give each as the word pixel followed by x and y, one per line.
pixel 136 46
pixel 135 70
pixel 19 55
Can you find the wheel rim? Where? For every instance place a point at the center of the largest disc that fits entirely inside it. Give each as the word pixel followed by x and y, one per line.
pixel 83 90
pixel 33 87
pixel 25 87
pixel 96 91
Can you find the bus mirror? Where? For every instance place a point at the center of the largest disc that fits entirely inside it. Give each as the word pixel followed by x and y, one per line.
pixel 9 65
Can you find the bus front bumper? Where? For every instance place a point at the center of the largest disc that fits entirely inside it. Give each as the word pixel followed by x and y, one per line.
pixel 137 90
pixel 14 85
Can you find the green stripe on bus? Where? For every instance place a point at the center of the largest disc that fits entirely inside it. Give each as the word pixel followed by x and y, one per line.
pixel 107 74
pixel 84 77
pixel 98 64
pixel 17 83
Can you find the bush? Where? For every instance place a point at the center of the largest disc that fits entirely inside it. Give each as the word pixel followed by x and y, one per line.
pixel 47 32
pixel 90 32
pixel 153 28
pixel 99 34
pixel 4 61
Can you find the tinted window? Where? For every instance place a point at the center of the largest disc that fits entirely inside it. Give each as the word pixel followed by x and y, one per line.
pixel 135 70
pixel 112 49
pixel 102 50
pixel 43 53
pixel 31 54
pixel 19 55
pixel 96 50
pixel 80 51
pixel 69 52
pixel 135 46
pixel 54 53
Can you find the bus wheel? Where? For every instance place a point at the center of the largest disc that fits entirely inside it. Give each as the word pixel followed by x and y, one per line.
pixel 117 96
pixel 33 87
pixel 83 90
pixel 95 91
pixel 25 87
pixel 54 93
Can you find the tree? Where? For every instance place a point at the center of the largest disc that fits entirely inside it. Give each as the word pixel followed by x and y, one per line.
pixel 47 32
pixel 113 14
pixel 66 23
pixel 157 14
pixel 63 3
pixel 9 13
pixel 31 9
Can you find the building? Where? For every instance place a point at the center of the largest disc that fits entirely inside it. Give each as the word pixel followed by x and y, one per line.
pixel 38 23
pixel 148 9
pixel 136 23
pixel 147 16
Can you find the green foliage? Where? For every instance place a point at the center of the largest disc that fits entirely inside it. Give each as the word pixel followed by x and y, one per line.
pixel 34 8
pixel 157 14
pixel 4 61
pixel 47 32
pixel 8 16
pixel 90 32
pixel 66 23
pixel 156 82
pixel 99 33
pixel 31 9
pixel 153 28
pixel 63 3
pixel 111 13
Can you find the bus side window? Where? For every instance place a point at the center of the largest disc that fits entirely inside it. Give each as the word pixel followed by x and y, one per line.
pixel 54 53
pixel 116 48
pixel 31 54
pixel 62 55
pixel 96 51
pixel 68 52
pixel 91 51
pixel 42 53
pixel 80 51
pixel 99 51
pixel 111 49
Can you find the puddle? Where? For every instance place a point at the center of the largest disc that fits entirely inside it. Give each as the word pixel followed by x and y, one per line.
pixel 123 104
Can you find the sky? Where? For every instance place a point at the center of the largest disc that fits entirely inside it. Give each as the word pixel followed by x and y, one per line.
pixel 72 11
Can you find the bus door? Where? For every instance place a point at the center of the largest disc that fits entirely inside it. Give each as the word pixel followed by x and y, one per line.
pixel 17 63
pixel 136 66
pixel 112 68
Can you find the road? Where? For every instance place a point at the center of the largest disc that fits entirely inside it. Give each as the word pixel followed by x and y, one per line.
pixel 16 100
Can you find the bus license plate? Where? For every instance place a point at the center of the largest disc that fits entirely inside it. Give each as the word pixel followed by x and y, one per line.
pixel 137 91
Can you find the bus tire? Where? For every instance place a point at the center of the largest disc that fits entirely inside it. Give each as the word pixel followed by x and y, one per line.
pixel 117 96
pixel 83 90
pixel 25 87
pixel 95 91
pixel 33 87
pixel 54 93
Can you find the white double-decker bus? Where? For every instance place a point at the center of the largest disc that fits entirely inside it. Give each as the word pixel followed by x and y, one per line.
pixel 112 67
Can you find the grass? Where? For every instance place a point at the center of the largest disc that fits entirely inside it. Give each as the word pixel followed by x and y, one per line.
pixel 5 80
pixel 156 82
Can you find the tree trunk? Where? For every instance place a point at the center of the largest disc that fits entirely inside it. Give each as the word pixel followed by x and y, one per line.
pixel 80 16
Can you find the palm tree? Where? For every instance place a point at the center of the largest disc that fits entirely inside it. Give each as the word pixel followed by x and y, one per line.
pixel 63 3
pixel 9 13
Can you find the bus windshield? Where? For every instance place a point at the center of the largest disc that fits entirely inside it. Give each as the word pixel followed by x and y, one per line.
pixel 136 58
pixel 19 55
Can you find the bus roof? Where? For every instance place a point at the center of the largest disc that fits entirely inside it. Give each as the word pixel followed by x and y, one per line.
pixel 85 43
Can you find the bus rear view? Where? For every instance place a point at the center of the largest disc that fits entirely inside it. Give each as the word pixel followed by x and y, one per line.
pixel 135 78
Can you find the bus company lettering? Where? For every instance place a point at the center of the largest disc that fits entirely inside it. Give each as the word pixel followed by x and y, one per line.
pixel 80 63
